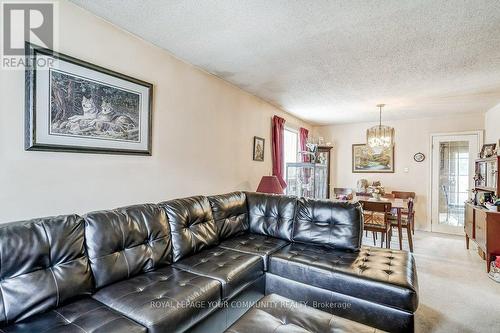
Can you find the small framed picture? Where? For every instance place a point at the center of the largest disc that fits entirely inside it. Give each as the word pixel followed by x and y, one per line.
pixel 258 148
pixel 488 150
pixel 75 106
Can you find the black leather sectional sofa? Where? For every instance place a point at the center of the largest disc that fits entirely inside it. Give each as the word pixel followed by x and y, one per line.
pixel 177 265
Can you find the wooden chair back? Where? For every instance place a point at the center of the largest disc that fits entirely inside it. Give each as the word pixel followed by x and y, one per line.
pixel 403 195
pixel 389 196
pixel 374 206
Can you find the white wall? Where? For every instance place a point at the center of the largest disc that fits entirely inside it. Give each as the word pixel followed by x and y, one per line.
pixel 412 136
pixel 492 125
pixel 202 134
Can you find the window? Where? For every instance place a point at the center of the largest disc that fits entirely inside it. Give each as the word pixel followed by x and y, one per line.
pixel 291 147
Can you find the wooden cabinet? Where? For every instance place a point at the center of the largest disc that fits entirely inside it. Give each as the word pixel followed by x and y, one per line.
pixel 469 221
pixel 480 230
pixel 482 226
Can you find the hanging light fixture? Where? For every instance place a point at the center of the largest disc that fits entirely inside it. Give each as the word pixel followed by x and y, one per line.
pixel 380 137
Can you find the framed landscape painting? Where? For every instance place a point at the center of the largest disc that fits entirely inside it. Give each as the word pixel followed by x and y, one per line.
pixel 74 106
pixel 365 161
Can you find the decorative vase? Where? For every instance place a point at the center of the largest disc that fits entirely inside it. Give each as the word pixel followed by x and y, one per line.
pixel 376 196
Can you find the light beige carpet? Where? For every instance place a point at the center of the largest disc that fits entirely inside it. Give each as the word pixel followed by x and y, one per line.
pixel 456 294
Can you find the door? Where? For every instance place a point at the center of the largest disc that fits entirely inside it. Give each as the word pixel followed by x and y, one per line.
pixel 452 170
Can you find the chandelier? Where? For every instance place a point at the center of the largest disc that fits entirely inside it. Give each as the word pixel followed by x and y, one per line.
pixel 380 137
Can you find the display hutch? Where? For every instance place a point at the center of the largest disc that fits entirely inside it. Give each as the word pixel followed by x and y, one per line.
pixel 310 179
pixel 482 218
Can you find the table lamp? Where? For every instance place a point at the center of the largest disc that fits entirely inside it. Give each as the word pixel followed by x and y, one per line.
pixel 270 184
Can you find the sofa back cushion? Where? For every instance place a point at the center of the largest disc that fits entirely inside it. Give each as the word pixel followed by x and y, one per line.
pixel 337 225
pixel 271 215
pixel 192 225
pixel 230 214
pixel 42 265
pixel 127 241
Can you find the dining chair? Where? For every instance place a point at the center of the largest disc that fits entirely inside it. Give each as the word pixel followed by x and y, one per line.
pixel 406 195
pixel 407 221
pixel 377 220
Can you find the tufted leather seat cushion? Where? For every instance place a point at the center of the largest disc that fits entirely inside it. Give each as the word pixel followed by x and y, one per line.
pixel 230 214
pixel 235 270
pixel 276 314
pixel 192 225
pixel 334 224
pixel 382 276
pixel 42 265
pixel 165 300
pixel 83 316
pixel 127 241
pixel 255 244
pixel 271 215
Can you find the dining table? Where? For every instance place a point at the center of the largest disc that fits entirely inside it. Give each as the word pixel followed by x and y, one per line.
pixel 396 204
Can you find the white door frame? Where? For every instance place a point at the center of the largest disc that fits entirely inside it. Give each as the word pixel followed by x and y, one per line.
pixel 479 133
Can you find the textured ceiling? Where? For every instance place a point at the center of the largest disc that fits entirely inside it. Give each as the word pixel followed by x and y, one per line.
pixel 333 61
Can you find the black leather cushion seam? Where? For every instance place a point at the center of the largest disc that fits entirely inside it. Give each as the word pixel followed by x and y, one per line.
pixel 50 264
pixel 123 247
pixel 242 288
pixel 57 286
pixel 112 320
pixel 241 251
pixel 242 271
pixel 160 320
pixel 185 269
pixel 45 268
pixel 144 288
pixel 68 321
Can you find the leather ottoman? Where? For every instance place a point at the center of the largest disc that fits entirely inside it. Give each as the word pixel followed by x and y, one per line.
pixel 275 314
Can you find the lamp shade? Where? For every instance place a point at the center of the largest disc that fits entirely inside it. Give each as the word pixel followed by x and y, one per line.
pixel 270 184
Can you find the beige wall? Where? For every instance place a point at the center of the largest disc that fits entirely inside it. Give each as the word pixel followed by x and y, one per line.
pixel 202 134
pixel 412 136
pixel 492 125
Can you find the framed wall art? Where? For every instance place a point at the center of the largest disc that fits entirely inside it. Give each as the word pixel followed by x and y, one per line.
pixel 258 148
pixel 488 150
pixel 75 106
pixel 365 161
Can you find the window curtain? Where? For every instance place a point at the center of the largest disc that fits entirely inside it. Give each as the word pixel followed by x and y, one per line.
pixel 278 143
pixel 303 135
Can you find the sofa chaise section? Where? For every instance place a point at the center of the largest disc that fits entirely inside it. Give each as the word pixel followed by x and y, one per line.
pixel 383 276
pixel 326 264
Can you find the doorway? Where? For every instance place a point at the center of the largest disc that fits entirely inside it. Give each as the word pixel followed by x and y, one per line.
pixel 452 170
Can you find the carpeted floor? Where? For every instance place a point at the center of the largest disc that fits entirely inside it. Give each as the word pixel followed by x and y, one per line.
pixel 456 294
